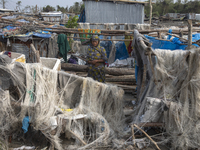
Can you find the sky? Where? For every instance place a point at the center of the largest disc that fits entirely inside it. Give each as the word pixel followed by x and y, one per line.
pixel 11 4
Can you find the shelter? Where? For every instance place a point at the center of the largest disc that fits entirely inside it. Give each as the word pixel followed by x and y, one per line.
pixel 113 11
pixel 56 17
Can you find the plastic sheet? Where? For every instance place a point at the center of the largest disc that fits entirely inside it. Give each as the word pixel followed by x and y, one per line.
pixel 42 35
pixel 25 124
pixel 107 45
pixel 161 44
pixel 121 52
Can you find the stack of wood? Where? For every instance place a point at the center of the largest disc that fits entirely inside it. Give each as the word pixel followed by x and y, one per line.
pixel 122 77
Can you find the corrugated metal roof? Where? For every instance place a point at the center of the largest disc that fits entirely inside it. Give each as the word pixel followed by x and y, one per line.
pixel 119 1
pixel 51 13
pixel 107 12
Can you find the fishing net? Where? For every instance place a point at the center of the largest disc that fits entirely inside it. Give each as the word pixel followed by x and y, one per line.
pixel 172 77
pixel 58 104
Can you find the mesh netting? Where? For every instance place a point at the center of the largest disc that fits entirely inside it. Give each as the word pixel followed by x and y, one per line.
pixel 172 77
pixel 58 103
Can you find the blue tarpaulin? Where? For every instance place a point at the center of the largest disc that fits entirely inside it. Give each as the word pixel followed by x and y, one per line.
pixel 82 17
pixel 121 51
pixel 170 45
pixel 25 124
pixel 42 35
pixel 195 37
pixel 107 45
pixel 9 27
pixel 38 33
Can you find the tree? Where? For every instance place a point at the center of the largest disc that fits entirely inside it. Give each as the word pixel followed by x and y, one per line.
pixel 48 8
pixel 27 9
pixel 72 22
pixel 62 9
pixel 19 5
pixel 66 9
pixel 71 9
pixel 82 6
pixel 76 7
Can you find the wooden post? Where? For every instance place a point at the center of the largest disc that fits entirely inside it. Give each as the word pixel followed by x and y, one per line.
pixel 147 136
pixel 159 35
pixel 181 33
pixel 36 53
pixel 150 12
pixel 189 34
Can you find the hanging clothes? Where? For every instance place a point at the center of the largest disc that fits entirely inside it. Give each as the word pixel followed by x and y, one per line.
pixel 129 44
pixel 63 46
pixel 87 35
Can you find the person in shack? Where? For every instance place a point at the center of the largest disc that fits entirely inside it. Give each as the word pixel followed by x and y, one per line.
pixel 96 58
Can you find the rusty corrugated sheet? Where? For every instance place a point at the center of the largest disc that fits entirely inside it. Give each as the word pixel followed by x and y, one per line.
pixel 109 12
pixel 46 47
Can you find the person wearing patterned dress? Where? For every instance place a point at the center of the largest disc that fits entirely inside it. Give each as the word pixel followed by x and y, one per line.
pixel 96 57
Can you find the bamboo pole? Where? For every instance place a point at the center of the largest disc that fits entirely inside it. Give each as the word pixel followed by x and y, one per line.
pixel 101 39
pixel 189 34
pixel 133 134
pixel 185 40
pixel 76 136
pixel 150 12
pixel 148 136
pixel 76 32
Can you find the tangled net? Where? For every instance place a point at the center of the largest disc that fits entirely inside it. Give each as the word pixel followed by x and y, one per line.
pixel 58 103
pixel 174 78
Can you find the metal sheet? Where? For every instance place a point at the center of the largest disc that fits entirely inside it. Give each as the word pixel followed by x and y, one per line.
pixel 197 16
pixel 21 48
pixel 109 12
pixel 191 16
pixel 173 15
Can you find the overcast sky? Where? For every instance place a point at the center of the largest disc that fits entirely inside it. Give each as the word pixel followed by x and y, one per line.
pixel 11 4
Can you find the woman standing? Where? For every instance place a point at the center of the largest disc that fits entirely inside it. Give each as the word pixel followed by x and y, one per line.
pixel 96 57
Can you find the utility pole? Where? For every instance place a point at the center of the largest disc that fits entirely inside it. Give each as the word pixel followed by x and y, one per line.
pixel 3 2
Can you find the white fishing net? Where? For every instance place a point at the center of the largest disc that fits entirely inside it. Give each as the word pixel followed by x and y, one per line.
pixel 58 103
pixel 174 78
